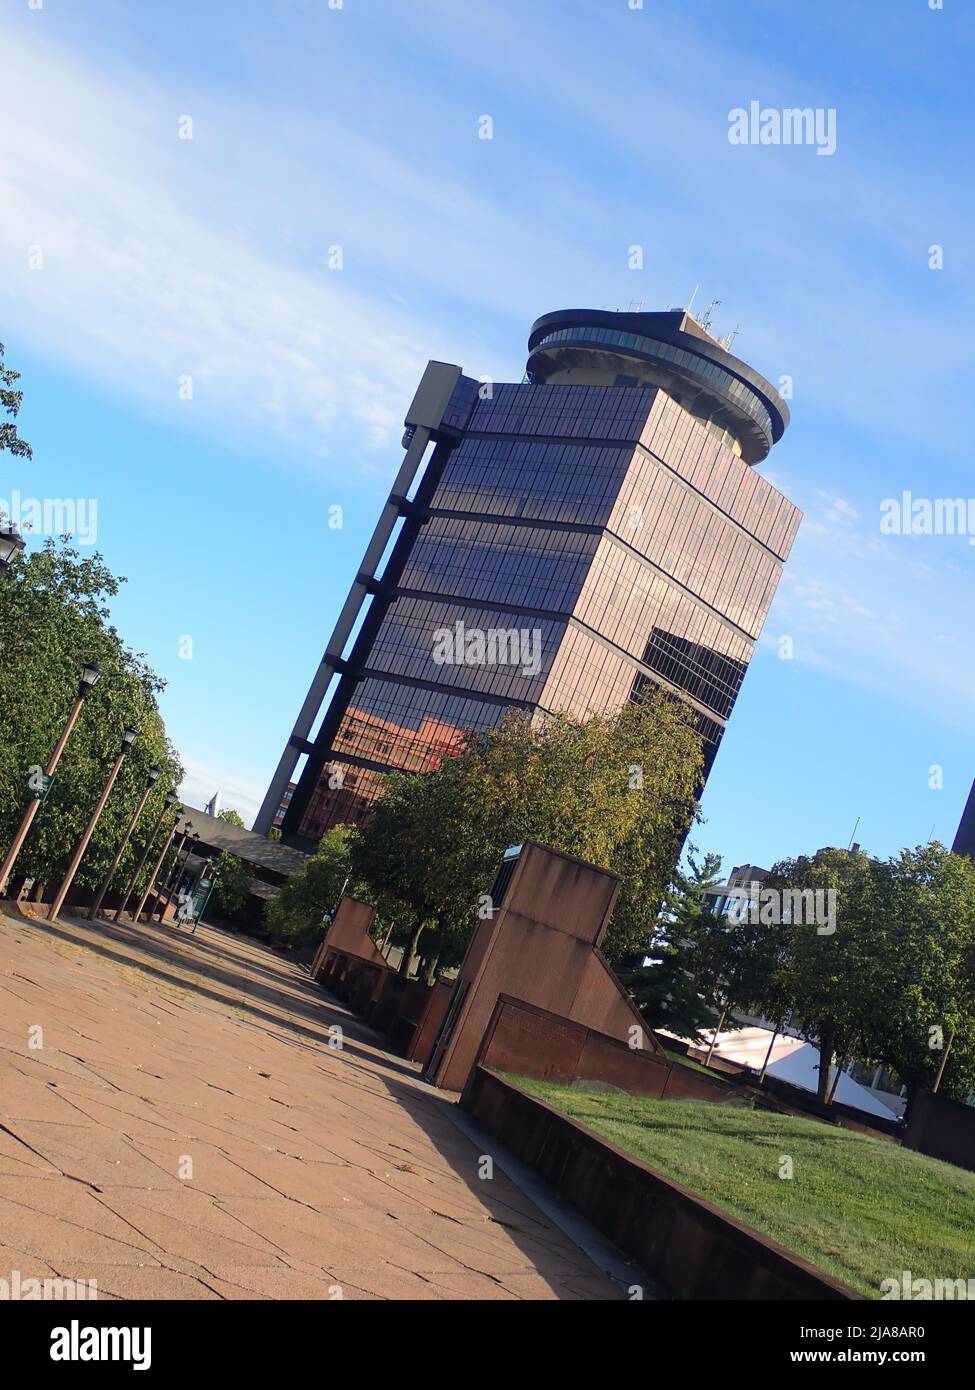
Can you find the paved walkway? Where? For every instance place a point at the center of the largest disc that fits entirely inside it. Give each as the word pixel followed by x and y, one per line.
pixel 175 1124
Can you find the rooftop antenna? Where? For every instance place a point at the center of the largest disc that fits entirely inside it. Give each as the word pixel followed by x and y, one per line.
pixel 731 337
pixel 705 322
pixel 854 832
pixel 931 835
pixel 690 303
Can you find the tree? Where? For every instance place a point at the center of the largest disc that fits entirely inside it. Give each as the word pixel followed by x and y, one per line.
pixel 924 970
pixel 894 983
pixel 54 617
pixel 10 401
pixel 232 884
pixel 824 976
pixel 393 859
pixel 617 791
pixel 297 914
pixel 704 964
pixel 231 888
pixel 671 991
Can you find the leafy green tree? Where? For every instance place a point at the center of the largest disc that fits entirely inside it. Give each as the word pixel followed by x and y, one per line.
pixel 825 977
pixel 54 617
pixel 298 913
pixel 392 860
pixel 687 952
pixel 894 983
pixel 924 972
pixel 618 791
pixel 705 965
pixel 233 878
pixel 10 401
pixel 232 887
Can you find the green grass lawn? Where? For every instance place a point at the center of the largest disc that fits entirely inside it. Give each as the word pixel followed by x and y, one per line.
pixel 860 1209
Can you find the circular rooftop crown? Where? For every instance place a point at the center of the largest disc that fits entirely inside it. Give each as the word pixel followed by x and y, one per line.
pixel 670 350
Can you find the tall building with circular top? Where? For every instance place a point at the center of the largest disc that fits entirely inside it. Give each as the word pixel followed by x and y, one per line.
pixel 669 350
pixel 553 545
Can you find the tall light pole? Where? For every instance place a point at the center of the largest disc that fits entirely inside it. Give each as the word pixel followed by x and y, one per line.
pixel 173 870
pixel 158 865
pixel 171 800
pixel 11 543
pixel 151 781
pixel 90 676
pixel 172 882
pixel 129 737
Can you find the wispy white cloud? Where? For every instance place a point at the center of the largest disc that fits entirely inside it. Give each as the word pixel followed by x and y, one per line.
pixel 203 779
pixel 888 612
pixel 119 260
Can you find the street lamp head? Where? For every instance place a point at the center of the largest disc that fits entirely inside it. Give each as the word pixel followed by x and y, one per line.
pixel 129 736
pixel 171 799
pixel 91 674
pixel 11 541
pixel 152 776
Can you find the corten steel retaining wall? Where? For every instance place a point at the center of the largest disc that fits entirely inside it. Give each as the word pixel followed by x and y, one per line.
pixel 693 1250
pixel 542 945
pixel 942 1128
pixel 425 1035
pixel 348 934
pixel 387 1001
pixel 529 1041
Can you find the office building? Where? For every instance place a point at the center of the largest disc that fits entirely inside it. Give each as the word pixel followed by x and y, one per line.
pixel 562 541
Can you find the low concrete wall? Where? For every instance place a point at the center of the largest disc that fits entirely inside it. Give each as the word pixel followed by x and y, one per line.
pixel 942 1129
pixel 688 1246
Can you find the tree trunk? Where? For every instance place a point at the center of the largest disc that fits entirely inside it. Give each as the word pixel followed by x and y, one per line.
pixel 840 1065
pixel 430 974
pixel 944 1062
pixel 714 1036
pixel 410 952
pixel 826 1038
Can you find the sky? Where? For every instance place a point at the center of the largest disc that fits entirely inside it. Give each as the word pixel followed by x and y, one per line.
pixel 232 234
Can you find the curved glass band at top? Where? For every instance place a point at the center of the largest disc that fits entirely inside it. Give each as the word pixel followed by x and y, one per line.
pixel 691 362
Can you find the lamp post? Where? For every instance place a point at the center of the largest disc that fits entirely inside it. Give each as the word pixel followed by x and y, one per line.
pixel 129 737
pixel 173 881
pixel 11 543
pixel 170 801
pixel 168 877
pixel 158 865
pixel 151 781
pixel 90 676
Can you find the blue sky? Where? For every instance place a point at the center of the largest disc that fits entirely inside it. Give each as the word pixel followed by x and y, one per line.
pixel 357 127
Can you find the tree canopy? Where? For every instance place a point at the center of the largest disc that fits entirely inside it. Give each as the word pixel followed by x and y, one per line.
pixel 894 982
pixel 54 617
pixel 617 791
pixel 703 965
pixel 10 402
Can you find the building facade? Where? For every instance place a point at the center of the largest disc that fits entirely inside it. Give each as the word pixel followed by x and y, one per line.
pixel 282 810
pixel 569 539
pixel 964 841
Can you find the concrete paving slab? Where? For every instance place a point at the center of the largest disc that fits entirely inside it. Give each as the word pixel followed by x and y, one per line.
pixel 185 1130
